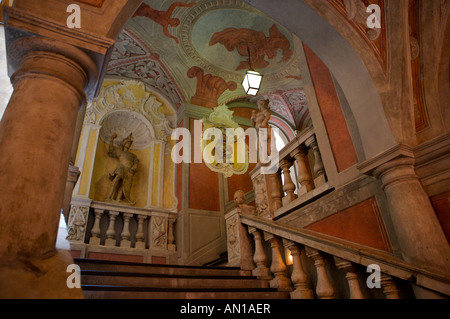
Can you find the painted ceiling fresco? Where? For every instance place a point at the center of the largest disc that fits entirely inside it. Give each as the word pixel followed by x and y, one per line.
pixel 197 52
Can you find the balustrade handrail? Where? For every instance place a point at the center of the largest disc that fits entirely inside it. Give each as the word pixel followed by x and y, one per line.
pixel 130 209
pixel 299 139
pixel 286 151
pixel 358 254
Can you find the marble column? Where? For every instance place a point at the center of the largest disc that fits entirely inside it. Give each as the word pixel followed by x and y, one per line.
pixel 37 132
pixel 420 235
pixel 36 136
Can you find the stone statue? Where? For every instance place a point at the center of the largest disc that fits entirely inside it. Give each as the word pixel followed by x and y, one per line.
pixel 260 120
pixel 122 177
pixel 239 198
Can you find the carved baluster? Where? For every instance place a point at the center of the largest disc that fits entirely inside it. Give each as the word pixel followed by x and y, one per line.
pixel 299 277
pixel 352 277
pixel 276 190
pixel 126 242
pixel 140 236
pixel 304 175
pixel 389 287
pixel 170 236
pixel 289 186
pixel 319 169
pixel 111 232
pixel 95 238
pixel 324 288
pixel 278 268
pixel 261 271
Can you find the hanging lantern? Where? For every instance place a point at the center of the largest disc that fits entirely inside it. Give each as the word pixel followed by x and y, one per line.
pixel 252 80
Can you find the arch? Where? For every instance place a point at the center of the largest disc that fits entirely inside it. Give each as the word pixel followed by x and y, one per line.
pixel 346 66
pixel 283 126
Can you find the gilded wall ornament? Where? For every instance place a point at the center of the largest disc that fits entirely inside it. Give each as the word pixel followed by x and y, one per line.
pixel 224 157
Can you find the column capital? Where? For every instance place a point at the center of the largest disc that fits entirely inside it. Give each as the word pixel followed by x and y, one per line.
pixel 38 56
pixel 99 211
pixel 343 264
pixel 113 213
pixel 285 164
pixel 73 174
pixel 270 236
pixel 298 151
pixel 141 217
pixel 312 253
pixel 396 152
pixel 311 141
pixel 47 19
pixel 396 170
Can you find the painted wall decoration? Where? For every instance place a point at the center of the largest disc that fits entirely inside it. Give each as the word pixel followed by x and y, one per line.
pixel 362 224
pixel 221 38
pixel 420 108
pixel 208 41
pixel 256 43
pixel 131 58
pixel 355 12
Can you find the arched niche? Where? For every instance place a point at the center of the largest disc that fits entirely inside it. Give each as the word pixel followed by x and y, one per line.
pixel 124 107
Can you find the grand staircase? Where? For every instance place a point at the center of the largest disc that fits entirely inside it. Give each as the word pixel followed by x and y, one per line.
pixel 104 279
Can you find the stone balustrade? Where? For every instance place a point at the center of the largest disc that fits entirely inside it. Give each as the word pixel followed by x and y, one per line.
pixel 300 177
pixel 111 228
pixel 323 268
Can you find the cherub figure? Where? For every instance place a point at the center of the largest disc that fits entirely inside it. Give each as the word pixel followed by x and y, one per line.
pixel 239 198
pixel 163 18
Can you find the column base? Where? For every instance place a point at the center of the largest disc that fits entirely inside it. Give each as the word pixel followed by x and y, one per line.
pixel 319 181
pixel 281 283
pixel 125 243
pixel 288 198
pixel 262 273
pixel 110 242
pixel 140 245
pixel 302 294
pixel 94 241
pixel 38 278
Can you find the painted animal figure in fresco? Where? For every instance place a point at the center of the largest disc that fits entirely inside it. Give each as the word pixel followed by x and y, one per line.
pixel 163 18
pixel 245 40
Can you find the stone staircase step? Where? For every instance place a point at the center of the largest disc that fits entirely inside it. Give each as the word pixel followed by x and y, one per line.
pixel 118 292
pixel 129 267
pixel 91 277
pixel 105 279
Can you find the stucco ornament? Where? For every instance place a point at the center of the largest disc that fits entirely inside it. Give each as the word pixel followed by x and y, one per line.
pixel 129 104
pixel 220 154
